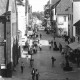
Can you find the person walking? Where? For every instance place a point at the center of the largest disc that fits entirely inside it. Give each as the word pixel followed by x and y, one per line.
pixel 67 78
pixel 33 74
pixel 53 59
pixel 22 67
pixel 69 40
pixel 49 44
pixel 31 62
pixel 37 74
pixel 52 43
pixel 54 37
pixel 60 47
pixel 40 47
pixel 40 36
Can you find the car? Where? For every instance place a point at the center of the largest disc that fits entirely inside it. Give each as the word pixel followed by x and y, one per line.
pixel 29 33
pixel 23 43
pixel 24 38
pixel 25 52
pixel 41 28
pixel 35 42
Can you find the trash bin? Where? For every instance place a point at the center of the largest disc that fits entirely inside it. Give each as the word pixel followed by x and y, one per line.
pixel 9 73
pixel 9 70
pixel 3 70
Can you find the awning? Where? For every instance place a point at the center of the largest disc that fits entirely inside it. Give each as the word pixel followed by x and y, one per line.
pixel 74 45
pixel 77 23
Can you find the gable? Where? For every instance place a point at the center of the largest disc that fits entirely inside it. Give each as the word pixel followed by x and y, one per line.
pixel 3 6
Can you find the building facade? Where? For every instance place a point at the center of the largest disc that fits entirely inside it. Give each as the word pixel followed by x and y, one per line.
pixel 76 18
pixel 21 16
pixel 9 38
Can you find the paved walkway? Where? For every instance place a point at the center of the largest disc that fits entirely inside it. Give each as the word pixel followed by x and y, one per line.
pixel 42 62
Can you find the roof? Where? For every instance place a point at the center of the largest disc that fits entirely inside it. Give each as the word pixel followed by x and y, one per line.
pixel 3 6
pixel 64 7
pixel 54 3
pixel 19 2
pixel 76 0
pixel 77 23
pixel 74 45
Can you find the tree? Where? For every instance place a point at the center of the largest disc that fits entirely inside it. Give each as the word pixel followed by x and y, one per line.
pixel 39 15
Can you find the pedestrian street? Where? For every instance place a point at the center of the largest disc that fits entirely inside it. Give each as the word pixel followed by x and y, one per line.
pixel 42 62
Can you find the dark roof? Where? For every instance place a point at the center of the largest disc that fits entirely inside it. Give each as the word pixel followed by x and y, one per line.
pixel 56 3
pixel 77 23
pixel 19 2
pixel 76 0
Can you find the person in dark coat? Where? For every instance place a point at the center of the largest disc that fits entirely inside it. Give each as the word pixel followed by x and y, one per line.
pixel 37 74
pixel 60 47
pixel 52 43
pixel 22 67
pixel 33 74
pixel 31 62
pixel 53 59
pixel 40 36
pixel 55 46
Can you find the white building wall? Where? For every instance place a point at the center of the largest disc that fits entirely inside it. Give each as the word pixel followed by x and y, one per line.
pixel 76 14
pixel 76 11
pixel 62 22
pixel 21 19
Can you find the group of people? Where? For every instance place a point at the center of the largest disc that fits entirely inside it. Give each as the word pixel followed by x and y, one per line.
pixel 35 74
pixel 55 47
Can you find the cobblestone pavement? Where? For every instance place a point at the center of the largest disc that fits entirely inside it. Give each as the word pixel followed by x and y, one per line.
pixel 42 62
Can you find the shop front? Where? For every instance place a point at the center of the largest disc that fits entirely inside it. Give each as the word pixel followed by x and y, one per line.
pixel 74 53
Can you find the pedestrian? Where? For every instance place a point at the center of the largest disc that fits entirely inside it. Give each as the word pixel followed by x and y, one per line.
pixel 40 36
pixel 62 64
pixel 38 41
pixel 31 62
pixel 52 43
pixel 69 40
pixel 22 67
pixel 62 53
pixel 50 46
pixel 40 47
pixel 37 74
pixel 54 37
pixel 55 46
pixel 60 47
pixel 33 74
pixel 37 35
pixel 34 49
pixel 67 78
pixel 53 59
